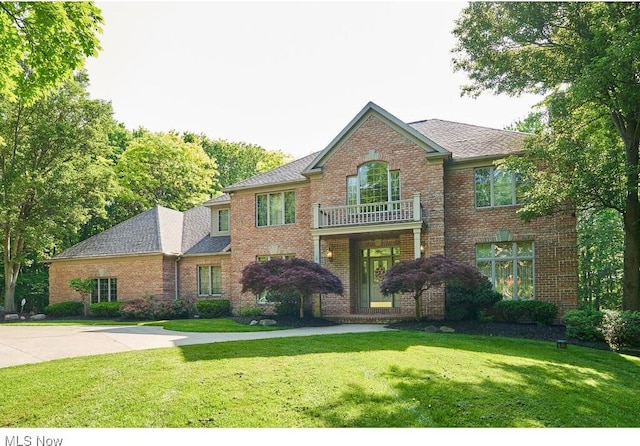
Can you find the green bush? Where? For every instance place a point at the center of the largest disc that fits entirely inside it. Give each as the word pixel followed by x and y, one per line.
pixel 584 325
pixel 105 309
pixel 464 304
pixel 542 313
pixel 512 310
pixel 210 309
pixel 621 329
pixel 64 309
pixel 252 312
pixel 286 304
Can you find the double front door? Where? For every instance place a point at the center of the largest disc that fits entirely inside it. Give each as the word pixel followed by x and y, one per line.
pixel 374 263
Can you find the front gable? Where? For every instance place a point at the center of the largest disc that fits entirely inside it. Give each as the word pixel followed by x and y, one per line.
pixel 364 127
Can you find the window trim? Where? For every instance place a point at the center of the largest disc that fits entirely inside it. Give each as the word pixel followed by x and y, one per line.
pixel 390 184
pixel 512 258
pixel 228 220
pixel 112 290
pixel 211 281
pixel 283 214
pixel 515 182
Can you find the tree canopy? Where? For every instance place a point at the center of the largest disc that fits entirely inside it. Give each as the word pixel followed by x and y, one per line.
pixel 585 57
pixel 290 276
pixel 419 275
pixel 43 43
pixel 54 172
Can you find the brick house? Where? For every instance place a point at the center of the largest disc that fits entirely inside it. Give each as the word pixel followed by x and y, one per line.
pixel 382 191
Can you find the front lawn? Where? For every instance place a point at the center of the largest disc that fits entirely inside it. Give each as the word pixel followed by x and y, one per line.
pixel 382 379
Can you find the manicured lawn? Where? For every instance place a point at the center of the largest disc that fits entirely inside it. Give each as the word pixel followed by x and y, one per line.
pixel 219 325
pixel 385 379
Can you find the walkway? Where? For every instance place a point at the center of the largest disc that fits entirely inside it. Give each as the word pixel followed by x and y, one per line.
pixel 31 344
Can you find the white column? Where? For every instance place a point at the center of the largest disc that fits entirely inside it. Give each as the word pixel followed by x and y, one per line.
pixel 316 249
pixel 416 243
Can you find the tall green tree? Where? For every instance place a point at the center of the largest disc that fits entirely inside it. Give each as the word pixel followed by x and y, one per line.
pixel 54 172
pixel 585 57
pixel 162 169
pixel 238 161
pixel 43 43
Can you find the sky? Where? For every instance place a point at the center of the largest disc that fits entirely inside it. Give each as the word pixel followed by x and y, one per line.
pixel 287 75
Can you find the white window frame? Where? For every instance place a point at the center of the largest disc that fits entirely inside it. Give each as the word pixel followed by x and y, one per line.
pixel 211 290
pixel 112 290
pixel 513 258
pixel 357 186
pixel 515 182
pixel 283 215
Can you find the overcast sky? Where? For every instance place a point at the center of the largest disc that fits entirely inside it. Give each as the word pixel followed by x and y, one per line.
pixel 286 76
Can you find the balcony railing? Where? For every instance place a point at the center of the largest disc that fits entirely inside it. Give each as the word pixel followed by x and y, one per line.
pixel 368 214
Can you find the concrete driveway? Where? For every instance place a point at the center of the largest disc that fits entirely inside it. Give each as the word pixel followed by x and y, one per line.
pixel 30 344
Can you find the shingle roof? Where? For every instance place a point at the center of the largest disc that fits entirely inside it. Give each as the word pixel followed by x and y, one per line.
pixel 289 173
pixel 158 230
pixel 466 141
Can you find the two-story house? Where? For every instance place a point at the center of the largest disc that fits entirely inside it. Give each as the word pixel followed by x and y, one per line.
pixel 382 191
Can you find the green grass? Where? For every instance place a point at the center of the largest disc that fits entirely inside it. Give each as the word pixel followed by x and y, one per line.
pixel 218 325
pixel 386 379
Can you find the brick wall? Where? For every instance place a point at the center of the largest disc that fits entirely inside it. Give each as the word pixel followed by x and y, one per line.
pixel 188 273
pixel 138 276
pixel 554 238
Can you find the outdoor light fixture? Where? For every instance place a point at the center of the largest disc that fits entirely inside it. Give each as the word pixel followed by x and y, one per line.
pixel 329 254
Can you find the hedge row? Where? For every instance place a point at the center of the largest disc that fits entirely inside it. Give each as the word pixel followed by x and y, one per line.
pixel 149 308
pixel 619 329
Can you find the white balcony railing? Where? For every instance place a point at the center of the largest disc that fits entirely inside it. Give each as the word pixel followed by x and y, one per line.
pixel 368 214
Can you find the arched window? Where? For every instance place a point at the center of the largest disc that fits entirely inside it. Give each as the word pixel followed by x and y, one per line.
pixel 375 183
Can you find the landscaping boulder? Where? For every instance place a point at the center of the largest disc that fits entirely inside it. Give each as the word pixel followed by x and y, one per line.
pixel 445 329
pixel 266 322
pixel 431 329
pixel 253 322
pixel 11 317
pixel 38 317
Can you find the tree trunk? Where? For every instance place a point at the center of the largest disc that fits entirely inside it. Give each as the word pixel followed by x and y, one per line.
pixel 629 129
pixel 418 299
pixel 11 270
pixel 301 306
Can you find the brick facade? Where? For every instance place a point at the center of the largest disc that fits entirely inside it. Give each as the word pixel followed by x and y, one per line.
pixel 440 185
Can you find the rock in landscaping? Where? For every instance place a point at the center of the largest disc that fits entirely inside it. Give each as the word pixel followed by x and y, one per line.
pixel 11 317
pixel 253 322
pixel 431 329
pixel 445 329
pixel 38 317
pixel 266 322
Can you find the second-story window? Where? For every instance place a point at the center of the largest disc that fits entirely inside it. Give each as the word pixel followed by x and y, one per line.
pixel 375 183
pixel 495 186
pixel 223 220
pixel 276 208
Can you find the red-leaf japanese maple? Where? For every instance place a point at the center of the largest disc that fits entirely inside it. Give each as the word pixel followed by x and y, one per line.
pixel 417 276
pixel 290 276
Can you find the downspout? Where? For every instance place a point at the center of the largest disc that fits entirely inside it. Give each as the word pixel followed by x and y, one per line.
pixel 177 283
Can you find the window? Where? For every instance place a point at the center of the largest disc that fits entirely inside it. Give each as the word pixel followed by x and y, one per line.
pixel 276 209
pixel 223 220
pixel 495 186
pixel 209 280
pixel 509 266
pixel 263 298
pixel 375 183
pixel 104 290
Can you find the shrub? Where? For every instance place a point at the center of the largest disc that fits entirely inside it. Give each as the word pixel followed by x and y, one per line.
pixel 621 329
pixel 252 312
pixel 65 309
pixel 154 309
pixel 286 303
pixel 462 303
pixel 105 309
pixel 542 313
pixel 210 309
pixel 584 325
pixel 512 310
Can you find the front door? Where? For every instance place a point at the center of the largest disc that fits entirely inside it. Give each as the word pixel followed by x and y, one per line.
pixel 374 263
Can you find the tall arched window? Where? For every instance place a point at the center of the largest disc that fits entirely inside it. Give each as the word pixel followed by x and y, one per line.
pixel 375 183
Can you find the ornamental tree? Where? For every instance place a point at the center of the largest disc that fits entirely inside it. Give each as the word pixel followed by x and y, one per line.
pixel 419 275
pixel 295 276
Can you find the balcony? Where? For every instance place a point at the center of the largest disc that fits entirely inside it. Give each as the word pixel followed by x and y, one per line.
pixel 401 211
